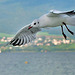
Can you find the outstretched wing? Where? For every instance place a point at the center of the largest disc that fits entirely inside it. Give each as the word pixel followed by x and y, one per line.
pixel 24 36
pixel 54 13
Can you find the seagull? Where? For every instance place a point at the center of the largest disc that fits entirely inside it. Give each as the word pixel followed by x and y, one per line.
pixel 52 19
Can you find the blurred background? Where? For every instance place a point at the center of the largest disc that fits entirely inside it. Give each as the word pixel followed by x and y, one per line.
pixel 49 54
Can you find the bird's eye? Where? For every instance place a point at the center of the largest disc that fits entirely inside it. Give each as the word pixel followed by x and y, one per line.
pixel 34 23
pixel 38 22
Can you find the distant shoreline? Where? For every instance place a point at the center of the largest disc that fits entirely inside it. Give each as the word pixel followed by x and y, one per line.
pixel 36 51
pixel 44 42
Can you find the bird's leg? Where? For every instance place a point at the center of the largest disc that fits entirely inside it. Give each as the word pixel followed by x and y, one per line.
pixel 68 29
pixel 63 33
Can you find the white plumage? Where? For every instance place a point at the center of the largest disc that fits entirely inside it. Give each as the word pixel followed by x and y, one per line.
pixel 52 19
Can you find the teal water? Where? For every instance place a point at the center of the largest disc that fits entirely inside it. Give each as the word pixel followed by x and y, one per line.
pixel 50 63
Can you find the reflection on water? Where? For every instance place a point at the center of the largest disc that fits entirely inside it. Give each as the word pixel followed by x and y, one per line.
pixel 50 63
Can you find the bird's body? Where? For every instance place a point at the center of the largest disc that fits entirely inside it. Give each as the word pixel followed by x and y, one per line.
pixel 55 19
pixel 52 19
pixel 45 21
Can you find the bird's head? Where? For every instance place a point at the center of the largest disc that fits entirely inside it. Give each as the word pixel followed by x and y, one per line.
pixel 35 23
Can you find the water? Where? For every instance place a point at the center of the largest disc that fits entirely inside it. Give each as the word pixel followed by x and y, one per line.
pixel 50 63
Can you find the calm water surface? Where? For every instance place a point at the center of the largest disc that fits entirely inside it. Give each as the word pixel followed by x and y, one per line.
pixel 50 63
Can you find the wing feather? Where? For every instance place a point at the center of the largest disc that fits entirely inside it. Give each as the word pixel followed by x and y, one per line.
pixel 54 13
pixel 12 41
pixel 24 36
pixel 21 39
pixel 18 41
pixel 29 38
pixel 15 41
pixel 24 40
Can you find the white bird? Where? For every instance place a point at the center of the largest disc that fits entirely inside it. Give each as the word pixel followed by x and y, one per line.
pixel 52 19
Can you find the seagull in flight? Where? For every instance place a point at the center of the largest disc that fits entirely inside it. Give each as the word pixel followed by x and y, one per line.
pixel 52 19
